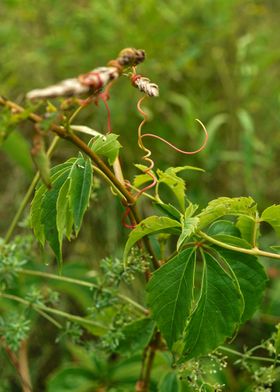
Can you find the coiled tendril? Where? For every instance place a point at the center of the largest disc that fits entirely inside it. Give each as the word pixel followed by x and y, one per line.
pixel 148 152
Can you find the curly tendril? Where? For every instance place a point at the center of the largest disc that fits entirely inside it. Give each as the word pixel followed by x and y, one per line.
pixel 167 142
pixel 147 158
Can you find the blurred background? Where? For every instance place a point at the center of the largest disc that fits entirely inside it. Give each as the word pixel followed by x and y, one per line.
pixel 216 60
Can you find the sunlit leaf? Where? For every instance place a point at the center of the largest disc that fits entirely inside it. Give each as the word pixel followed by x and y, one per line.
pixel 150 225
pixel 174 182
pixel 107 146
pixel 189 226
pixel 227 206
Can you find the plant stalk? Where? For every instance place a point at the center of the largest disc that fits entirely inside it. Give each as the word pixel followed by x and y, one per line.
pixel 60 313
pixel 24 367
pixel 253 251
pixel 82 283
pixel 245 356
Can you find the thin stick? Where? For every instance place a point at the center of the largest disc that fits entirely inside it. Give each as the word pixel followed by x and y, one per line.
pixel 69 316
pixel 82 283
pixel 245 356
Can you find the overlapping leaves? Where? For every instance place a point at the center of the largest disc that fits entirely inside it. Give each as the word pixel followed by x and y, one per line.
pixel 59 211
pixel 230 289
pixel 228 284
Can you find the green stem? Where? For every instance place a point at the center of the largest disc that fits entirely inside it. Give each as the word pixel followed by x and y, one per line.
pixel 253 251
pixel 28 195
pixel 60 313
pixel 76 112
pixel 245 356
pixel 82 283
pixel 255 232
pixel 49 318
pixel 100 172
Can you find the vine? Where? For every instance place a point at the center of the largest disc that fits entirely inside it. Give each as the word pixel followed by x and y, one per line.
pixel 195 262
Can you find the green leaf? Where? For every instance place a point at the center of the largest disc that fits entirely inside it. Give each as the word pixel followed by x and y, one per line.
pixel 217 313
pixel 223 227
pixel 79 191
pixel 170 294
pixel 169 383
pixel 189 226
pixel 251 277
pixel 36 205
pixel 246 226
pixel 271 215
pixel 136 336
pixel 107 146
pixel 227 206
pixel 141 179
pixel 152 224
pixel 178 169
pixel 72 379
pixel 169 209
pixel 63 215
pixel 35 214
pixel 175 183
pixel 55 211
pixel 49 213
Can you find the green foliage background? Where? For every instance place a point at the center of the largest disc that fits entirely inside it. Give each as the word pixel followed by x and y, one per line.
pixel 216 60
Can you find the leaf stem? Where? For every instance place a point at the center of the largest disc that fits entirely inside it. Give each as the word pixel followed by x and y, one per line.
pixel 253 251
pixel 44 308
pixel 245 356
pixel 82 283
pixel 27 195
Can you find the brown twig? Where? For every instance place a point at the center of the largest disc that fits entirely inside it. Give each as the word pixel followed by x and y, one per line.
pixel 20 364
pixel 24 368
pixel 143 383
